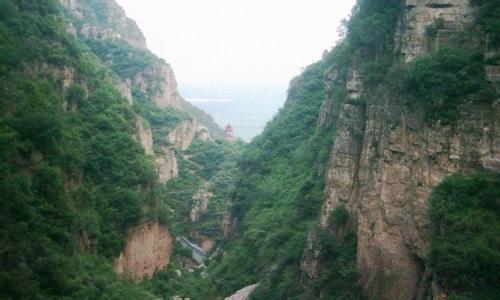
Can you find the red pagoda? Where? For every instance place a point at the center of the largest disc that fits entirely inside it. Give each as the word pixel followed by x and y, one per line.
pixel 228 129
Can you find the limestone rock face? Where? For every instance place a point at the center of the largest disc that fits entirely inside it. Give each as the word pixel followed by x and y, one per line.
pixel 159 83
pixel 145 136
pixel 343 165
pixel 110 23
pixel 166 166
pixel 183 134
pixel 451 16
pixel 384 177
pixel 386 159
pixel 123 89
pixel 202 133
pixel 310 265
pixel 200 203
pixel 354 84
pixel 148 249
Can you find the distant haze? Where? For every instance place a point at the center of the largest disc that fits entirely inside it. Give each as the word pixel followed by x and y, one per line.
pixel 238 43
pixel 246 107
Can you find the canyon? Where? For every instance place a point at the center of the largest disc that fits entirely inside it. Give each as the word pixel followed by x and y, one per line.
pixel 385 155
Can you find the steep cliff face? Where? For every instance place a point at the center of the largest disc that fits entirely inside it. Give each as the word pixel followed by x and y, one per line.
pixel 445 18
pixel 144 136
pixel 386 159
pixel 105 20
pixel 147 250
pixel 385 177
pixel 158 81
pixel 183 134
pixel 166 165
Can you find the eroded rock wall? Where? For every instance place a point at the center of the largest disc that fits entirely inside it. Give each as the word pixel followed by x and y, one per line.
pixel 166 165
pixel 144 136
pixel 107 21
pixel 148 249
pixel 158 82
pixel 444 17
pixel 183 134
pixel 402 159
pixel 386 159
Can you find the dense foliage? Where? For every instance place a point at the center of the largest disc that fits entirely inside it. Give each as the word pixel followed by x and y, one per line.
pixel 464 254
pixel 278 195
pixel 68 180
pixel 125 60
pixel 489 14
pixel 463 72
pixel 73 180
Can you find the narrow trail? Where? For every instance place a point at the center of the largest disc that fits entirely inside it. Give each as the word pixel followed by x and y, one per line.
pixel 187 158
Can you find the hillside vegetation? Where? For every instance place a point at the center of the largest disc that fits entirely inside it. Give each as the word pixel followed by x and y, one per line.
pixel 75 178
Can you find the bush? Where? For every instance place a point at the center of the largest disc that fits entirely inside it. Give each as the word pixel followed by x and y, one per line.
pixel 75 93
pixel 464 254
pixel 489 14
pixel 446 78
pixel 339 216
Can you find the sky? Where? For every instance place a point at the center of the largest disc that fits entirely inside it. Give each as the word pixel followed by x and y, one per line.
pixel 241 42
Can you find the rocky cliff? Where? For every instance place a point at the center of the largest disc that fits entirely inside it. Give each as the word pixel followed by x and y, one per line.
pixel 385 178
pixel 103 19
pixel 158 82
pixel 183 134
pixel 144 136
pixel 386 158
pixel 166 165
pixel 148 249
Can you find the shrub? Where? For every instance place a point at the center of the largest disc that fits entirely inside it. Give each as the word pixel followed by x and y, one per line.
pixel 339 216
pixel 464 254
pixel 446 78
pixel 75 93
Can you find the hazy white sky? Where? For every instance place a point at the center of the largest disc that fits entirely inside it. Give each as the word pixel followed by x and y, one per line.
pixel 238 41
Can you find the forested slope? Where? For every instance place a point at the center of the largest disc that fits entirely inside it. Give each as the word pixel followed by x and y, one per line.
pixel 378 179
pixel 334 199
pixel 87 147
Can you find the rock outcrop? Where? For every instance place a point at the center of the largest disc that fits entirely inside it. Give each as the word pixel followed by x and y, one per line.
pixel 148 249
pixel 202 133
pixel 185 132
pixel 444 17
pixel 200 203
pixel 108 21
pixel 158 82
pixel 166 166
pixel 386 159
pixel 124 90
pixel 144 136
pixel 400 162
